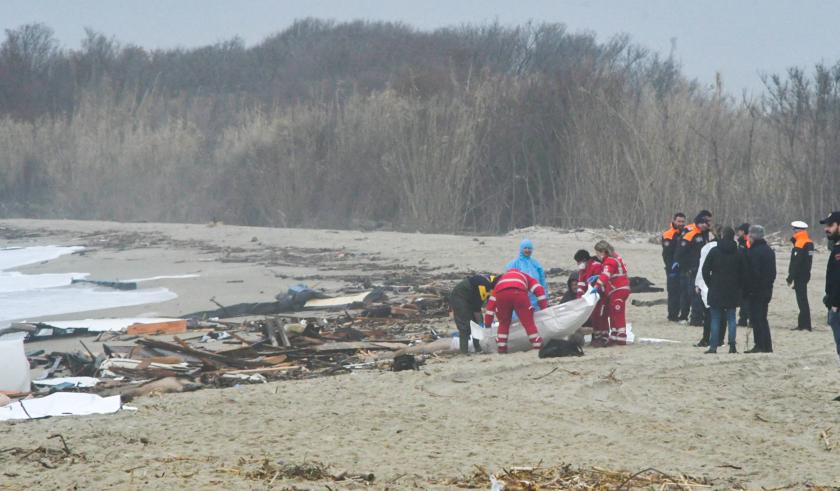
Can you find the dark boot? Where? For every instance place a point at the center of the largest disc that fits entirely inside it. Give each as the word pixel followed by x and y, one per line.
pixel 732 349
pixel 755 349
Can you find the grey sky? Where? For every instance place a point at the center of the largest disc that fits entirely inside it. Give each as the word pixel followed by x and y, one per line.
pixel 739 38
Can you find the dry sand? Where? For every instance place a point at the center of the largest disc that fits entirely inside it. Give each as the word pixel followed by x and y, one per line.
pixel 750 419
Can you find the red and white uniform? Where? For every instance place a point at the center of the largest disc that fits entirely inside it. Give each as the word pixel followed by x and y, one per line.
pixel 590 268
pixel 598 320
pixel 614 286
pixel 509 295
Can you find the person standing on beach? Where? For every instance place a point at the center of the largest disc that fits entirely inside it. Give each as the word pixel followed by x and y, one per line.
pixel 761 275
pixel 614 285
pixel 703 291
pixel 670 242
pixel 744 244
pixel 799 272
pixel 530 266
pixel 686 263
pixel 832 277
pixel 723 271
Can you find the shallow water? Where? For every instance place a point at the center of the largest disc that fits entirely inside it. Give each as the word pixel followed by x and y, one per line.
pixel 26 296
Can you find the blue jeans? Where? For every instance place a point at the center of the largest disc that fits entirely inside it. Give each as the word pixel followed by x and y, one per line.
pixel 717 315
pixel 834 322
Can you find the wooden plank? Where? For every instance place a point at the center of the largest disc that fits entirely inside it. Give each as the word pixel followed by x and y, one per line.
pixel 202 355
pixel 157 328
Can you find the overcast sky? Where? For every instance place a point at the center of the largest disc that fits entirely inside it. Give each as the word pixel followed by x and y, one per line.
pixel 739 38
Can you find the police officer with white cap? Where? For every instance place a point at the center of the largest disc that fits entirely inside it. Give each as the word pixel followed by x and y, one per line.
pixel 832 276
pixel 799 272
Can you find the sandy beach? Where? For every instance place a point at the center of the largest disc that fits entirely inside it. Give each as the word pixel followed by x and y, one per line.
pixel 762 420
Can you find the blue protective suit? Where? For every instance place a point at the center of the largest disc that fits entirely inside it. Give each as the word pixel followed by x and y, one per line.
pixel 529 266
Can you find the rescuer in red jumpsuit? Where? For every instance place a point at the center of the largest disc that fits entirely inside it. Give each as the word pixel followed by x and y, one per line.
pixel 614 286
pixel 511 294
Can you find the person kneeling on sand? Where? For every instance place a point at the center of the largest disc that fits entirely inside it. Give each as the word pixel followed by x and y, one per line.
pixel 511 294
pixel 466 301
pixel 724 271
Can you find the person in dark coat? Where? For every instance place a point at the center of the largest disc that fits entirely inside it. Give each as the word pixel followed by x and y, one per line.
pixel 743 235
pixel 724 271
pixel 799 272
pixel 760 277
pixel 466 300
pixel 686 264
pixel 832 277
pixel 670 242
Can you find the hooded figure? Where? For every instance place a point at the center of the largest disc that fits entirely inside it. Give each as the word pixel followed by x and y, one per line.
pixel 530 266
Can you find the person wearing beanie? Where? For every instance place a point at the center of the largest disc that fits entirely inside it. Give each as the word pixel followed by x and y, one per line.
pixel 799 272
pixel 742 233
pixel 466 301
pixel 761 262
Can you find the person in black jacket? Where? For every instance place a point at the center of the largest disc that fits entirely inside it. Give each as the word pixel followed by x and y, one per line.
pixel 466 300
pixel 686 263
pixel 760 277
pixel 832 277
pixel 744 244
pixel 670 242
pixel 724 272
pixel 799 272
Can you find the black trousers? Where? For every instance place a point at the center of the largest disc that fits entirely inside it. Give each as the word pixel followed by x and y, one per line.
pixel 674 295
pixel 760 325
pixel 463 314
pixel 686 294
pixel 744 313
pixel 801 289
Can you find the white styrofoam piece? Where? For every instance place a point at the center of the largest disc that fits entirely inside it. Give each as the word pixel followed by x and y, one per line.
pixel 99 325
pixel 60 404
pixel 14 367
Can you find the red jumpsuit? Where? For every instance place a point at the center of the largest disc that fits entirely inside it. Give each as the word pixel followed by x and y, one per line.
pixel 614 286
pixel 509 295
pixel 598 320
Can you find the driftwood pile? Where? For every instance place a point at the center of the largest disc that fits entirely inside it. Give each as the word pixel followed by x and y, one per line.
pixel 226 352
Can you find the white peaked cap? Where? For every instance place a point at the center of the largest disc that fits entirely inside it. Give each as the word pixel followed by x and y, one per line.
pixel 799 224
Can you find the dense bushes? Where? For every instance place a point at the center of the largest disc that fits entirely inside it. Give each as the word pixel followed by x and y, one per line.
pixel 362 124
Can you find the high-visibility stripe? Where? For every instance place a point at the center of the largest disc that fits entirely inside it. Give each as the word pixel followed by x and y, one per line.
pixel 542 297
pixel 535 287
pixel 502 336
pixel 511 280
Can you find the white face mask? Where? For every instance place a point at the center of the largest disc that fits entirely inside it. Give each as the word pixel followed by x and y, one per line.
pixel 582 266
